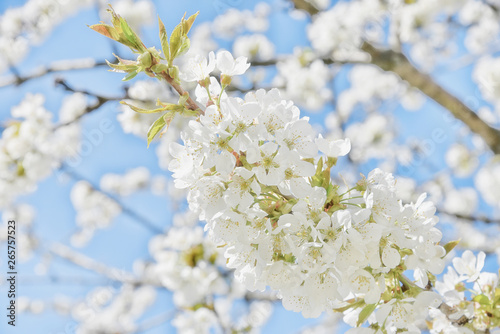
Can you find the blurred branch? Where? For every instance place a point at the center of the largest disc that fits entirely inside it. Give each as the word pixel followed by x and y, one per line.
pixel 470 218
pixel 88 263
pixel 306 6
pixel 60 280
pixel 398 63
pixel 57 66
pixel 126 210
pixel 327 61
pixel 190 103
pixel 156 321
pixel 101 100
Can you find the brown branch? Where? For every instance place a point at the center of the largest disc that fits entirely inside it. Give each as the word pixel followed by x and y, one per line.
pixel 396 62
pixel 190 102
pixel 88 263
pixel 125 209
pixel 101 100
pixel 471 218
pixel 58 66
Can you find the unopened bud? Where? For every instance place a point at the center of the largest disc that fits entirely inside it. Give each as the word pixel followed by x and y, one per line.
pixel 145 59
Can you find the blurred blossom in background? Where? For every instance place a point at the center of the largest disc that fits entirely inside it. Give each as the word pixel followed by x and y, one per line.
pixel 107 244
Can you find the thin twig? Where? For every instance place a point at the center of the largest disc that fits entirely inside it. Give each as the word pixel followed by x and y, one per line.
pixel 471 218
pixel 126 210
pixel 57 66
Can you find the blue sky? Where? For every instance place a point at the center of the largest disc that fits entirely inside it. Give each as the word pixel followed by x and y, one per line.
pixel 55 215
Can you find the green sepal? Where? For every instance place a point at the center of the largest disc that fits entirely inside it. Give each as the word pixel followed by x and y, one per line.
pixel 481 299
pixel 365 313
pixel 317 179
pixel 164 107
pixel 347 307
pixel 173 72
pixel 158 68
pixel 450 246
pixel 183 98
pixel 326 178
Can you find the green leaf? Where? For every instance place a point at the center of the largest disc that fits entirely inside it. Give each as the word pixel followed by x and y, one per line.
pixel 174 73
pixel 331 162
pixel 105 30
pixel 155 128
pixel 164 107
pixel 120 32
pixel 164 40
pixel 175 41
pixel 187 24
pixel 179 42
pixel 331 192
pixel 158 68
pixel 131 75
pixel 183 98
pixel 123 68
pixel 185 44
pixel 450 245
pixel 365 313
pixel 481 299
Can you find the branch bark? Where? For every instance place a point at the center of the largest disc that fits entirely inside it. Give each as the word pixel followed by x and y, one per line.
pixel 471 218
pixel 57 66
pixel 190 102
pixel 396 62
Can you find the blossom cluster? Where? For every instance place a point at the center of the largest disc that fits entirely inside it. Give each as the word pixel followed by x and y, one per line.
pixel 31 147
pixel 253 175
pixel 94 209
pixel 191 266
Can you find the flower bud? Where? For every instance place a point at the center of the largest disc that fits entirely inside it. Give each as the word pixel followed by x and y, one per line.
pixel 145 59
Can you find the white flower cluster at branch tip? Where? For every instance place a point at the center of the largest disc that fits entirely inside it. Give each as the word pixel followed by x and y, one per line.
pixel 253 174
pixel 260 177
